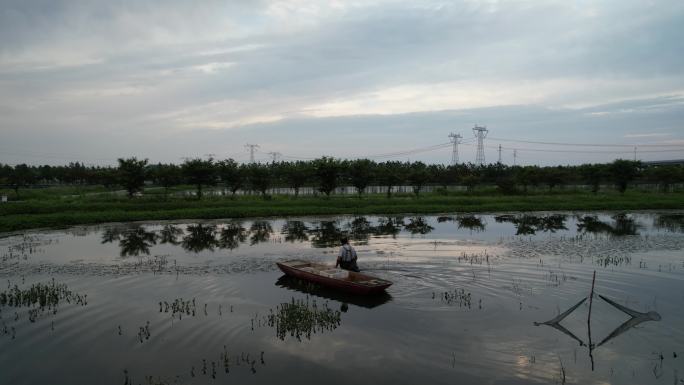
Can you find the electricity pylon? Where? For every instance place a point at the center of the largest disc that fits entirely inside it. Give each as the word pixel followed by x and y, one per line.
pixel 480 134
pixel 252 148
pixel 455 139
pixel 275 155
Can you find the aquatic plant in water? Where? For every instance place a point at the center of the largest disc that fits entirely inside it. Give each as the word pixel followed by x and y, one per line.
pixel 180 307
pixel 301 318
pixel 458 297
pixel 40 297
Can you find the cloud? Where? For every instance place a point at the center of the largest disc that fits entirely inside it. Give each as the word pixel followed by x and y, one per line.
pixel 648 135
pixel 172 69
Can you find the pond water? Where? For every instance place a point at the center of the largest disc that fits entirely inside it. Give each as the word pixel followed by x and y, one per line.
pixel 499 298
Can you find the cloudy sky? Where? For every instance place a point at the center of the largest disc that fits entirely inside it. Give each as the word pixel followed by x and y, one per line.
pixel 93 81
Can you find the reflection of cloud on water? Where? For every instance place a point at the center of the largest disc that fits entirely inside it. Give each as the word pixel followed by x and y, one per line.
pixel 324 351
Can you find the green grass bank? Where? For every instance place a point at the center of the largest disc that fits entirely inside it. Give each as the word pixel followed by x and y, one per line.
pixel 46 210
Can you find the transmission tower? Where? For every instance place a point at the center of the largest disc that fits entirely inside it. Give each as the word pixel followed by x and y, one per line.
pixel 480 134
pixel 275 155
pixel 252 148
pixel 499 161
pixel 515 157
pixel 455 139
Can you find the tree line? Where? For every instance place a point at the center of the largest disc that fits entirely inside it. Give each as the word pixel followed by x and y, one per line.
pixel 326 174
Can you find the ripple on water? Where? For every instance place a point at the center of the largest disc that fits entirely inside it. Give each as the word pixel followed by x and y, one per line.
pixel 462 304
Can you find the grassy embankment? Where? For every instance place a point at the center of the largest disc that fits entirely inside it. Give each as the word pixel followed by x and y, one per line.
pixel 62 207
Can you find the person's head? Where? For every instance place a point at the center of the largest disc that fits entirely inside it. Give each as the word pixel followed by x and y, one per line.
pixel 344 240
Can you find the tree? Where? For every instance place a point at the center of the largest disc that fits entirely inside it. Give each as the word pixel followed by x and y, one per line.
pixel 622 172
pixel 75 173
pixel 391 173
pixel 469 175
pixel 664 175
pixel 232 174
pixel 361 174
pixel 506 185
pixel 554 176
pixel 5 172
pixel 260 178
pixel 471 182
pixel 443 175
pixel 418 176
pixel 21 176
pixel 592 174
pixel 131 174
pixel 108 177
pixel 327 171
pixel 199 172
pixel 46 174
pixel 167 176
pixel 295 174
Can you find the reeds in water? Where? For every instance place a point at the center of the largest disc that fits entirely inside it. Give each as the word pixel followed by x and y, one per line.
pixel 301 318
pixel 40 297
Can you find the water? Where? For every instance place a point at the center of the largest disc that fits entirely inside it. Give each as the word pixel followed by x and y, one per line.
pixel 203 302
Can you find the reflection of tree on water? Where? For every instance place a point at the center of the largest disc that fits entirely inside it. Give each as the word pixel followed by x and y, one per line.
pixel 260 232
pixel 326 234
pixel 169 234
pixel 133 241
pixel 622 225
pixel 527 224
pixel 418 225
pixel 295 231
pixel 389 226
pixel 232 235
pixel 470 222
pixel 111 234
pixel 671 222
pixel 200 237
pixel 359 230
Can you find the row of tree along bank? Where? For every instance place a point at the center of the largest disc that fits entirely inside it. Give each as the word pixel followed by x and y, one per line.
pixel 326 174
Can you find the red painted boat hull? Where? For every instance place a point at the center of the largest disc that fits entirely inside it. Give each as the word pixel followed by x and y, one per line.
pixel 353 285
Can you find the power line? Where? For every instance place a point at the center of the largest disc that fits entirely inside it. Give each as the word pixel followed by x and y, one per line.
pixel 298 157
pixel 586 144
pixel 410 152
pixel 584 151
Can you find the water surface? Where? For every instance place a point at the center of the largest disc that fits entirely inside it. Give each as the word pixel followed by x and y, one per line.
pixel 476 299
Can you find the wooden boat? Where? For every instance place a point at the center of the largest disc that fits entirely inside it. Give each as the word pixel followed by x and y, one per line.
pixel 367 301
pixel 349 281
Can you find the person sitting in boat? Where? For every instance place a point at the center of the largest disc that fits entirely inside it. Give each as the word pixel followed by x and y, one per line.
pixel 347 257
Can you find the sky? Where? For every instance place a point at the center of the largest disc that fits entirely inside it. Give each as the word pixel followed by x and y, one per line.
pixel 93 81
